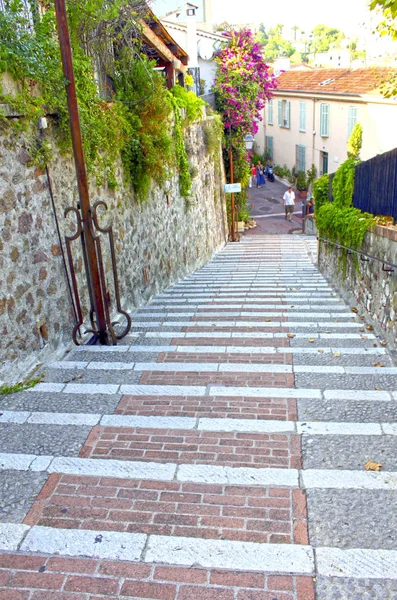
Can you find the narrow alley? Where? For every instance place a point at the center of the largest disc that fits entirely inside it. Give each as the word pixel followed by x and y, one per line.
pixel 218 454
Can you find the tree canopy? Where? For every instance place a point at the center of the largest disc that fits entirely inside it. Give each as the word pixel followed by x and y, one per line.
pixel 324 38
pixel 274 45
pixel 387 27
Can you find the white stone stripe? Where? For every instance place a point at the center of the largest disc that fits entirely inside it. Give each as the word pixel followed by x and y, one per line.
pixel 298 307
pixel 255 334
pixel 11 535
pixel 217 474
pixel 357 563
pixel 344 479
pixel 224 554
pixel 25 461
pixel 215 390
pixel 134 547
pixel 288 313
pixel 251 324
pixel 231 368
pixel 79 542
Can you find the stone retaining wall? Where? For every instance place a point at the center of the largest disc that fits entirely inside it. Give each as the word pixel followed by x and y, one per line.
pixel 157 242
pixel 371 290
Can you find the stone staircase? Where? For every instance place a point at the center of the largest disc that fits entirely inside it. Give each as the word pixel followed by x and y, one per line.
pixel 217 453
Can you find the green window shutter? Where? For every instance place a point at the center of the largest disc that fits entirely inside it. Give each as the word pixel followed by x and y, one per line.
pixel 287 114
pixel 324 120
pixel 270 113
pixel 302 116
pixel 269 144
pixel 280 112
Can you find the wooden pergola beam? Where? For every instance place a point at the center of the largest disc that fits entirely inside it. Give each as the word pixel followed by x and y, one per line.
pixel 161 48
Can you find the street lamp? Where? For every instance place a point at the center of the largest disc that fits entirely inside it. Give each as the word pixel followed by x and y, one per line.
pixel 249 141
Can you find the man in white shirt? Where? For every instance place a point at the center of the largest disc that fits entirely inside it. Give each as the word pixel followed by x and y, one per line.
pixel 289 203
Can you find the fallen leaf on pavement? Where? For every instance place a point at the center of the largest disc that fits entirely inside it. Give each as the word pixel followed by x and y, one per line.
pixel 373 466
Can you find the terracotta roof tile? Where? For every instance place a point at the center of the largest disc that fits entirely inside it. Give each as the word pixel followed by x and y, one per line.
pixel 343 81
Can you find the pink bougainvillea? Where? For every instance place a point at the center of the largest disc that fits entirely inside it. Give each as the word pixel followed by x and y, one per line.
pixel 242 84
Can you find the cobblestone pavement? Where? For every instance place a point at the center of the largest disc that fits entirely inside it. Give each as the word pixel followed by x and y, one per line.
pixel 217 454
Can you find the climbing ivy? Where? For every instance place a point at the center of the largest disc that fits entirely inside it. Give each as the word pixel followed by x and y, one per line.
pixel 320 191
pixel 338 220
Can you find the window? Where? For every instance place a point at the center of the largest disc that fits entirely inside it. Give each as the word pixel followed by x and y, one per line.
pixel 270 145
pixel 324 120
pixel 302 116
pixel 280 113
pixel 284 113
pixel 270 113
pixel 300 157
pixel 352 120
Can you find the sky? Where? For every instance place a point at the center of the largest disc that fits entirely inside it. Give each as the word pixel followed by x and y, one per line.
pixel 342 14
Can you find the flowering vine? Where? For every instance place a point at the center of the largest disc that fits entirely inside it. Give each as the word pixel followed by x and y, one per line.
pixel 243 83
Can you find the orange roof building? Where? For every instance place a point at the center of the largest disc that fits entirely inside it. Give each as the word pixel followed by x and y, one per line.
pixel 314 111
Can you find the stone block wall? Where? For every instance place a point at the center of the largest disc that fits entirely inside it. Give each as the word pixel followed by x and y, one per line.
pixel 371 290
pixel 157 242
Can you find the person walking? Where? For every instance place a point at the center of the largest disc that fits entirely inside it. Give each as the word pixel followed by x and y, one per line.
pixel 260 177
pixel 252 176
pixel 289 203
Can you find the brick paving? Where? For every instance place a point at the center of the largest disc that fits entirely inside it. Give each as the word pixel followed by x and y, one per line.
pixel 214 514
pixel 237 408
pixel 46 578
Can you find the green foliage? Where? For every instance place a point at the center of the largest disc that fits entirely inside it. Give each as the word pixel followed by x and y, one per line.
pixel 5 389
pixel 190 102
pixel 213 134
pixel 274 45
pixel 139 119
pixel 346 225
pixel 355 142
pixel 325 38
pixel 185 178
pixel 343 184
pixel 320 191
pixel 311 174
pixel 387 6
pixel 284 172
pixel 338 220
pixel 301 181
pixel 147 107
pixel 387 27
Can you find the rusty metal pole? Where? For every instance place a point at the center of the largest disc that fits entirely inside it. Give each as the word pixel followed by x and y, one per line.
pixel 93 276
pixel 232 207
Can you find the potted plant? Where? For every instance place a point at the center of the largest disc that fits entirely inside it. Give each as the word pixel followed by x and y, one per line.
pixel 302 184
pixel 311 175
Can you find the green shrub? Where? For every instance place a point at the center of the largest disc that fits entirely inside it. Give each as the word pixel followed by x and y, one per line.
pixel 320 191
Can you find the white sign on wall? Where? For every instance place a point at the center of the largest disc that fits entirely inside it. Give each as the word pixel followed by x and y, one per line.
pixel 232 188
